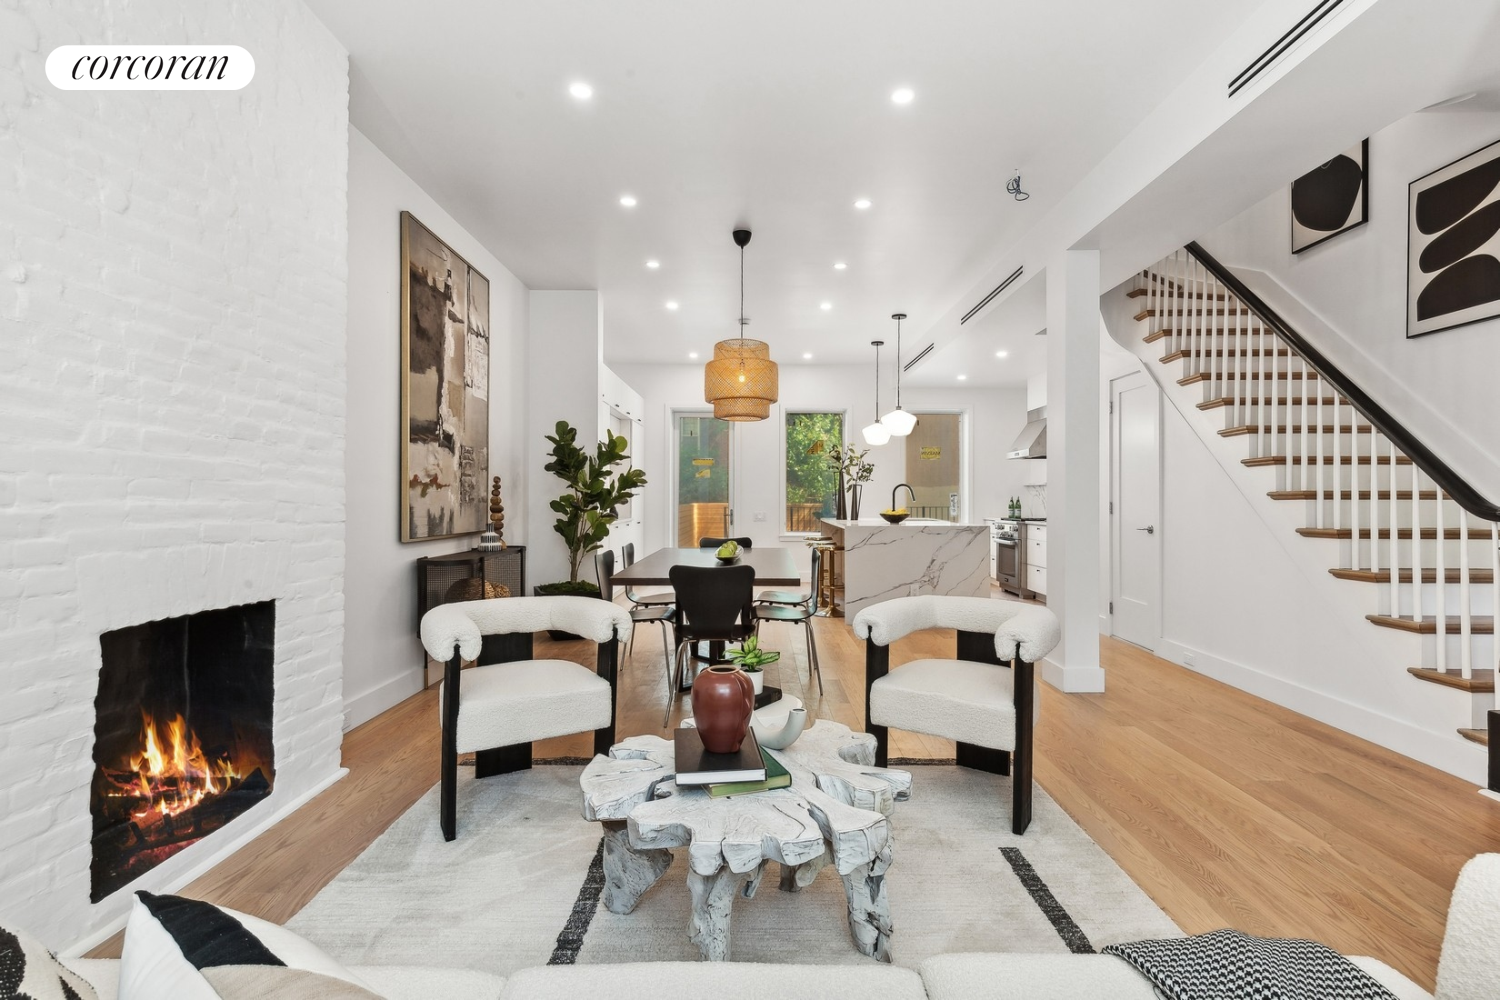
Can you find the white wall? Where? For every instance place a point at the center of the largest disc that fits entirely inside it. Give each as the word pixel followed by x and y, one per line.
pixel 172 394
pixel 1441 385
pixel 382 656
pixel 562 383
pixel 995 416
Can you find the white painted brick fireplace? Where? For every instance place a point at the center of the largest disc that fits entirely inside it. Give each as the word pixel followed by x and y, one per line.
pixel 173 274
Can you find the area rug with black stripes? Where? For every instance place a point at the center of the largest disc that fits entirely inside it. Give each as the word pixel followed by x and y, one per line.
pixel 520 886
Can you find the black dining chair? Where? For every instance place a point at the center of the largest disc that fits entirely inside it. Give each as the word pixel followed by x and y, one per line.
pixel 794 596
pixel 796 613
pixel 604 571
pixel 713 543
pixel 713 605
pixel 627 555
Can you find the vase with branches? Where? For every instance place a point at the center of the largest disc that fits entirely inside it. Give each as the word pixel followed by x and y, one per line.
pixel 593 497
pixel 854 469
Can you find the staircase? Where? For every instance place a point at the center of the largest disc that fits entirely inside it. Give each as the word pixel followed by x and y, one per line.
pixel 1427 555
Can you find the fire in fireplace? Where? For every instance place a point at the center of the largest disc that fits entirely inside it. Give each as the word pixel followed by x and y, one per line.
pixel 182 735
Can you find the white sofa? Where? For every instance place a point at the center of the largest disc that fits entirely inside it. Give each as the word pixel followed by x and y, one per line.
pixel 1468 969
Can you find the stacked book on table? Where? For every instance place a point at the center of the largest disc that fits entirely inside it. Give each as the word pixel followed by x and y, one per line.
pixel 750 769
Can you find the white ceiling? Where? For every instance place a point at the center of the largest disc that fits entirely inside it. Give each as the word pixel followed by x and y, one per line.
pixel 774 115
pixel 1011 326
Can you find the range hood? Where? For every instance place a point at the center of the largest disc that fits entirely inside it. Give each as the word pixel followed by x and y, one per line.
pixel 1032 441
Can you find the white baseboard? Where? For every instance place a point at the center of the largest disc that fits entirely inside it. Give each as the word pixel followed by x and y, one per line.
pixel 221 852
pixel 1073 680
pixel 364 707
pixel 1443 751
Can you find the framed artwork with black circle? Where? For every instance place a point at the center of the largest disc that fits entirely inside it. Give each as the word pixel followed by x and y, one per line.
pixel 1453 244
pixel 1331 199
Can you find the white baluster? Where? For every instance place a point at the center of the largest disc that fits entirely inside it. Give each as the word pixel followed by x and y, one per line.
pixel 1495 602
pixel 1416 544
pixel 1395 560
pixel 1354 507
pixel 1338 469
pixel 1465 615
pixel 1375 439
pixel 1440 569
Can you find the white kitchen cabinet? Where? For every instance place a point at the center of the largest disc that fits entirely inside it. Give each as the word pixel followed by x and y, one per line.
pixel 1036 558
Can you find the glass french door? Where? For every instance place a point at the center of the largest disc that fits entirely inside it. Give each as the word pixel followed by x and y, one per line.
pixel 703 502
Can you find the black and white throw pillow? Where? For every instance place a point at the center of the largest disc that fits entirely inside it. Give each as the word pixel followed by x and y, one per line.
pixel 28 971
pixel 191 950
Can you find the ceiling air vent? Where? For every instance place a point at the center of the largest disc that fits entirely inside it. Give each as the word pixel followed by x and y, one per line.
pixel 1267 59
pixel 991 297
pixel 920 355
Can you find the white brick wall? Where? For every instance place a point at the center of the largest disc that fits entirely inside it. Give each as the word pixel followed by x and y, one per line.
pixel 172 384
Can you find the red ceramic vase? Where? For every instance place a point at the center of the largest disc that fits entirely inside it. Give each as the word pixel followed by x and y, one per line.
pixel 723 698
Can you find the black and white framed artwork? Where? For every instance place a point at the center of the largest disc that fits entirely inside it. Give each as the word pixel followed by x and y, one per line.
pixel 1453 244
pixel 1332 199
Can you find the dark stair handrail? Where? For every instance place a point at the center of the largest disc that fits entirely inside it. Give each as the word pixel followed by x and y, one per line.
pixel 1442 475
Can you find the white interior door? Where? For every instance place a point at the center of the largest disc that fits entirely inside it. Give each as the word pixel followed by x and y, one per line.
pixel 1136 491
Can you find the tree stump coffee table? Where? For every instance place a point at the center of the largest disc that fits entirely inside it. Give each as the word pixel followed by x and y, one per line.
pixel 835 812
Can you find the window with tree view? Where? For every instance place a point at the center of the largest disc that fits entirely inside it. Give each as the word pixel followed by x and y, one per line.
pixel 811 480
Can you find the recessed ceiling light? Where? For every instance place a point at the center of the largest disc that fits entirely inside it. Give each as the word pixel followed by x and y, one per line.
pixel 628 200
pixel 862 204
pixel 807 356
pixel 902 95
pixel 962 377
pixel 839 265
pixel 1001 354
pixel 825 306
pixel 692 355
pixel 672 305
pixel 582 91
pixel 653 264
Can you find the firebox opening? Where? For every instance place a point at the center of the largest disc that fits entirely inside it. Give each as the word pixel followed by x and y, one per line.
pixel 182 735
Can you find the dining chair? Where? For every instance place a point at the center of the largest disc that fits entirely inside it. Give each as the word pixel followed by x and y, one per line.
pixel 713 605
pixel 627 555
pixel 795 612
pixel 659 614
pixel 794 596
pixel 713 543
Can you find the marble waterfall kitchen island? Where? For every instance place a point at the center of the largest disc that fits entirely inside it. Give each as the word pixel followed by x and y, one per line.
pixel 880 561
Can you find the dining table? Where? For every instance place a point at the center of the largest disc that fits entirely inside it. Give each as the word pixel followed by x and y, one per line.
pixel 774 567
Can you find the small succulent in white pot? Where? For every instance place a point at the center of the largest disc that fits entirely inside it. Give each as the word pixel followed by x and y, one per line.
pixel 750 658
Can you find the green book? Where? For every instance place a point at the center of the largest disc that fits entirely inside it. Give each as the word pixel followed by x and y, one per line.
pixel 776 777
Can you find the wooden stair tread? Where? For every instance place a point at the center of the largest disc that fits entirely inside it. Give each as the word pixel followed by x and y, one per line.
pixel 1177 295
pixel 1247 377
pixel 1244 429
pixel 1344 495
pixel 1219 401
pixel 1183 353
pixel 1480 736
pixel 1428 534
pixel 1429 575
pixel 1478 624
pixel 1481 681
pixel 1200 311
pixel 1327 460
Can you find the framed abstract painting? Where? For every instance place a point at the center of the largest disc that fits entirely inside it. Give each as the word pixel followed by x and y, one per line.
pixel 445 376
pixel 1453 244
pixel 1332 199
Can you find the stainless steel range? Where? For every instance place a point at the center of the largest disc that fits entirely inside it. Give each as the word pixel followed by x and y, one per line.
pixel 1008 555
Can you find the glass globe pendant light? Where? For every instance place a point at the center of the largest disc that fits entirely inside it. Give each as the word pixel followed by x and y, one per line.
pixel 898 421
pixel 741 381
pixel 876 434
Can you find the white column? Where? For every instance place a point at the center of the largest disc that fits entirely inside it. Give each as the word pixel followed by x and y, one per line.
pixel 1073 462
pixel 564 332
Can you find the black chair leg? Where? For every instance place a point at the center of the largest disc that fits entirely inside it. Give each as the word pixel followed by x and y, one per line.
pixel 502 760
pixel 448 763
pixel 983 759
pixel 1025 695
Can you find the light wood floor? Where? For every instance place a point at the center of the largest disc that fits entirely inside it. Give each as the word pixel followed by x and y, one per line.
pixel 1226 809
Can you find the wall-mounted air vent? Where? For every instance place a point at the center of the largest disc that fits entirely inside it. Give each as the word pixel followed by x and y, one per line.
pixel 991 297
pixel 1268 58
pixel 920 355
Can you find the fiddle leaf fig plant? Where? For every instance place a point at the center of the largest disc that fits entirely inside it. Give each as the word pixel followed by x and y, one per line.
pixel 594 493
pixel 750 657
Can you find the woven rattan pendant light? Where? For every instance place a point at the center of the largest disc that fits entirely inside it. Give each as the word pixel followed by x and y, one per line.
pixel 742 380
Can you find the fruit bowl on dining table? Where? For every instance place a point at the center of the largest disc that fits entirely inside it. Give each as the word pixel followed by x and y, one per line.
pixel 896 516
pixel 727 553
